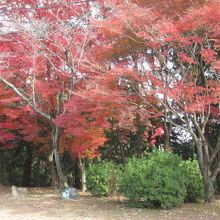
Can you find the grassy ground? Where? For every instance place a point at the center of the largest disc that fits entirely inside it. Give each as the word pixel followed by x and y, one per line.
pixel 44 204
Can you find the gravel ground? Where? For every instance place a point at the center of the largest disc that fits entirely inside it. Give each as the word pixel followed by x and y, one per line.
pixel 44 204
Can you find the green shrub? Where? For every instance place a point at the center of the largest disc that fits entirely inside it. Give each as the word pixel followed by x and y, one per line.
pixel 101 178
pixel 194 183
pixel 155 181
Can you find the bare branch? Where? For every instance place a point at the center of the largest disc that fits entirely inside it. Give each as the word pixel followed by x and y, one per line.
pixel 24 98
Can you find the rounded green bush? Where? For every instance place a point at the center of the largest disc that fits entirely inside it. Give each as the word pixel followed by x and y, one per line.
pixel 155 181
pixel 101 178
pixel 194 183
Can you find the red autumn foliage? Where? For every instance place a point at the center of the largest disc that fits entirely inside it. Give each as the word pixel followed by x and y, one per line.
pixel 178 56
pixel 41 54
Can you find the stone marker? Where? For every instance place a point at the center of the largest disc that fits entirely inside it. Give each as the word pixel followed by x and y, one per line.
pixel 19 191
pixel 69 193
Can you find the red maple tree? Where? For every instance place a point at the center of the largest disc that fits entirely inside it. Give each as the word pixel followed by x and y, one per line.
pixel 42 44
pixel 172 63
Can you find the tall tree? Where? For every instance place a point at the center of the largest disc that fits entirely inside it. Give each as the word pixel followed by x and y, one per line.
pixel 42 44
pixel 175 64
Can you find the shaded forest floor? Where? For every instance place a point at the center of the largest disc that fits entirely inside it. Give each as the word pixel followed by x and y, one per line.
pixel 44 204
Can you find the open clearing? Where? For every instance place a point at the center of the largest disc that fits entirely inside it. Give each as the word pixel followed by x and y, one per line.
pixel 44 204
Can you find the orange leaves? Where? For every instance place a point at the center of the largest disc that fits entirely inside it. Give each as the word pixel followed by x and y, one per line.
pixel 193 98
pixel 84 143
pixel 6 131
pixel 216 66
pixel 208 55
pixel 8 115
pixel 83 123
pixel 158 132
pixel 5 137
pixel 170 8
pixel 40 64
pixel 214 88
pixel 202 19
pixel 111 28
pixel 113 86
pixel 185 58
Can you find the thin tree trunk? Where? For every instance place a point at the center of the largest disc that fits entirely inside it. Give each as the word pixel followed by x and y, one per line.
pixel 218 176
pixel 83 173
pixel 216 160
pixel 138 136
pixel 37 178
pixel 218 183
pixel 26 178
pixel 139 142
pixel 121 146
pixel 167 133
pixel 167 127
pixel 54 178
pixel 78 175
pixel 62 180
pixel 4 179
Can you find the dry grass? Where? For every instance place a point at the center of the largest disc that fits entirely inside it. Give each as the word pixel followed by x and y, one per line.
pixel 44 204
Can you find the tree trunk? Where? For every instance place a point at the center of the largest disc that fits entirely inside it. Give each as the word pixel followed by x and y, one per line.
pixel 77 180
pixel 83 173
pixel 80 174
pixel 54 178
pixel 139 142
pixel 138 135
pixel 167 133
pixel 206 173
pixel 218 183
pixel 209 190
pixel 121 146
pixel 218 176
pixel 26 178
pixel 4 175
pixel 62 180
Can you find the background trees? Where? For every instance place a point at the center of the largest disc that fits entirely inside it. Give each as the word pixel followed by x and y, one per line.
pixel 173 60
pixel 136 75
pixel 42 45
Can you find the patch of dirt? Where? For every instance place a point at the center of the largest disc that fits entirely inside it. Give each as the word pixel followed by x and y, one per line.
pixel 44 204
